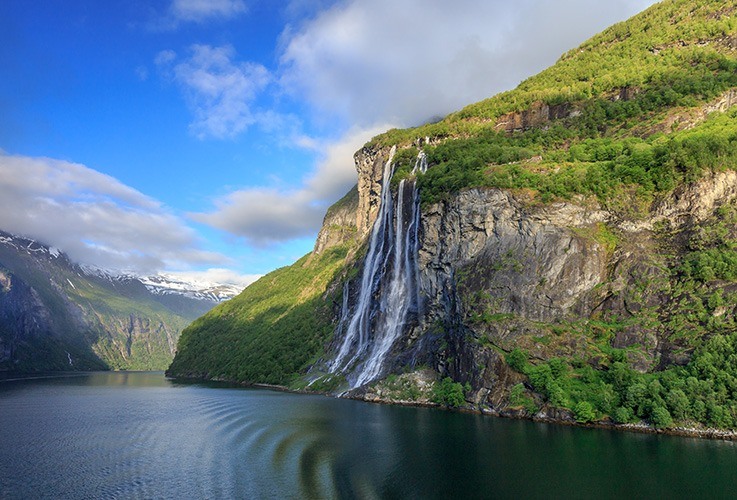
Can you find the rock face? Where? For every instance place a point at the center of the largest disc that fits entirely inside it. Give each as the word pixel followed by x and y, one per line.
pixel 498 271
pixel 339 225
pixel 531 261
pixel 22 307
pixel 538 115
pixel 370 165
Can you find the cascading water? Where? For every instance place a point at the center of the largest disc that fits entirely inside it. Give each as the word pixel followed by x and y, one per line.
pixel 420 163
pixel 389 293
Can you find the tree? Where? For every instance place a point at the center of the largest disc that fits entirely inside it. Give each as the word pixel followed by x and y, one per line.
pixel 661 417
pixel 517 360
pixel 678 403
pixel 584 412
pixel 623 415
pixel 448 393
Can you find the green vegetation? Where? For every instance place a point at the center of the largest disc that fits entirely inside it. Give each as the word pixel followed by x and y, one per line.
pixel 519 398
pixel 696 317
pixel 404 161
pixel 603 167
pixel 132 329
pixel 615 113
pixel 584 412
pixel 268 334
pixel 400 387
pixel 703 392
pixel 677 53
pixel 448 393
pixel 326 383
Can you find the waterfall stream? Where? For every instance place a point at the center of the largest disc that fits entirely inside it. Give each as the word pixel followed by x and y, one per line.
pixel 388 292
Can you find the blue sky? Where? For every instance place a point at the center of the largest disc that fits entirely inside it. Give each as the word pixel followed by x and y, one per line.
pixel 209 136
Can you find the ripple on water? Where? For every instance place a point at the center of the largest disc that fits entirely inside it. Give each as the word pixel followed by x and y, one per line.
pixel 139 438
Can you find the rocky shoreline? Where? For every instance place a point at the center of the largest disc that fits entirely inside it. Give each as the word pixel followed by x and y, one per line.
pixel 564 418
pixel 555 417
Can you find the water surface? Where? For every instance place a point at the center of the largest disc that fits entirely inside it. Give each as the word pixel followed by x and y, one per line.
pixel 138 435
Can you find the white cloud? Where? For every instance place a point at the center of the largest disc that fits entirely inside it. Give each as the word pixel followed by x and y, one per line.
pixel 204 10
pixel 93 217
pixel 408 61
pixel 165 57
pixel 265 216
pixel 142 73
pixel 358 64
pixel 219 91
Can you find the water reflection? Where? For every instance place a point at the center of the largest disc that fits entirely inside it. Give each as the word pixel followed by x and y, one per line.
pixel 139 435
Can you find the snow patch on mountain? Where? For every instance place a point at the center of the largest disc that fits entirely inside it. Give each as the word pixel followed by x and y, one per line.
pixel 199 289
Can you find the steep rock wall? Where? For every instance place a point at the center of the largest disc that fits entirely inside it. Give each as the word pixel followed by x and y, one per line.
pixel 370 165
pixel 530 260
pixel 498 272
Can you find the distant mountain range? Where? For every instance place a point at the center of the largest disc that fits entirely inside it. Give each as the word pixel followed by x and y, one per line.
pixel 167 284
pixel 59 315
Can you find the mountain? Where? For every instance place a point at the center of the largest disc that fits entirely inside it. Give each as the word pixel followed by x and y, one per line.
pixel 57 315
pixel 167 284
pixel 563 251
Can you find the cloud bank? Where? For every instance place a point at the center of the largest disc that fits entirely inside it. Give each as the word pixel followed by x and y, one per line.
pixel 93 217
pixel 406 62
pixel 363 65
pixel 264 216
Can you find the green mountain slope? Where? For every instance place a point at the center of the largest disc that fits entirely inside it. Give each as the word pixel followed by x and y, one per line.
pixel 624 150
pixel 619 96
pixel 269 333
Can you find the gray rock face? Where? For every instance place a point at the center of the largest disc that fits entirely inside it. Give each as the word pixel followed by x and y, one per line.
pixel 370 165
pixel 339 224
pixel 527 261
pixel 22 307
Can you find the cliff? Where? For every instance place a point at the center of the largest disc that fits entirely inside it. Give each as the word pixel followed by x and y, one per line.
pixel 564 251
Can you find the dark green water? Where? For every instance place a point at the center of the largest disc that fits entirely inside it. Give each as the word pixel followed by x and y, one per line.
pixel 137 435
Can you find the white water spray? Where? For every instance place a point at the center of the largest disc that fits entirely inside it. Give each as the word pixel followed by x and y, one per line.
pixel 389 291
pixel 420 163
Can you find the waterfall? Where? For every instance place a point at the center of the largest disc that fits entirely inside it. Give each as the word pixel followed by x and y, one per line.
pixel 388 293
pixel 420 163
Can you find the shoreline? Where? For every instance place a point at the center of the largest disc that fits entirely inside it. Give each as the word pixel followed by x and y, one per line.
pixel 639 428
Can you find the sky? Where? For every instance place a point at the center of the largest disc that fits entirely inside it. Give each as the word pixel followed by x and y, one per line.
pixel 208 137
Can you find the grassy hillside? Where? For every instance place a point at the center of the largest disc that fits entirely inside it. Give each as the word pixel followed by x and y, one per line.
pixel 616 106
pixel 676 53
pixel 134 331
pixel 271 331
